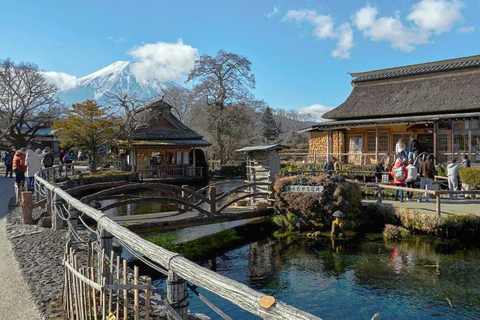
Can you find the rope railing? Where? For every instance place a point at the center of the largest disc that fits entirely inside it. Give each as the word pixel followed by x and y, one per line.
pixel 177 266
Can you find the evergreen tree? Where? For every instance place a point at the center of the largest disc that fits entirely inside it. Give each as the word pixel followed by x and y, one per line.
pixel 270 129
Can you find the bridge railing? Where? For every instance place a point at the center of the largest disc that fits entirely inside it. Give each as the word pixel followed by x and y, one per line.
pixel 178 268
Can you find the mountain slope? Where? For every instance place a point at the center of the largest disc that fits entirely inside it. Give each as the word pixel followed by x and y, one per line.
pixel 115 77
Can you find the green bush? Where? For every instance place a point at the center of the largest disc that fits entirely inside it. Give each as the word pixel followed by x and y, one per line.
pixel 308 210
pixel 373 218
pixel 470 176
pixel 392 232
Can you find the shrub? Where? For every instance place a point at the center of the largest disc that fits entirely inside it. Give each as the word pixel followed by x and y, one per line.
pixel 470 176
pixel 373 218
pixel 307 210
pixel 392 232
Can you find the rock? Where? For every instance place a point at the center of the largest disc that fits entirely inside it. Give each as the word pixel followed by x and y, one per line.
pixel 45 222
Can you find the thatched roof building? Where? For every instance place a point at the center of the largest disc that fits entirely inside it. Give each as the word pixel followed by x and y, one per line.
pixel 164 147
pixel 436 102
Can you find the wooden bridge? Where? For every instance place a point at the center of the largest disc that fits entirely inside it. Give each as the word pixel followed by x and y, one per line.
pixel 181 273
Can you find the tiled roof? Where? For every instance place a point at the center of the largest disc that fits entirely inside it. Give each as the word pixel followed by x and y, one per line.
pixel 417 69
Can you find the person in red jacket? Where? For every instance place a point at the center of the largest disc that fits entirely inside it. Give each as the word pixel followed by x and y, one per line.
pixel 19 166
pixel 399 174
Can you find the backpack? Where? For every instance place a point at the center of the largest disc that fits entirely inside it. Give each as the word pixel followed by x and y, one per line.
pixel 412 173
pixel 48 160
pixel 399 174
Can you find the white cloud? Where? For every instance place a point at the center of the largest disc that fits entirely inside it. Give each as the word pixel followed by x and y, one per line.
pixel 324 28
pixel 466 29
pixel 273 13
pixel 427 17
pixel 316 111
pixel 163 61
pixel 63 81
pixel 437 16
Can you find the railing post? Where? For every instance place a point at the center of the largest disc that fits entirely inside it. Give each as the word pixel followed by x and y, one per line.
pixel 27 207
pixel 57 222
pixel 379 195
pixel 73 222
pixel 177 296
pixel 49 203
pixel 105 242
pixel 212 196
pixel 184 207
pixel 437 198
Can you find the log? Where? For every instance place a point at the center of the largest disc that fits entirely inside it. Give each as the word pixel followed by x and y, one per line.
pixel 27 207
pixel 177 296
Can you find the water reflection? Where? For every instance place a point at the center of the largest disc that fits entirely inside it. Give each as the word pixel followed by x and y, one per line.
pixel 420 278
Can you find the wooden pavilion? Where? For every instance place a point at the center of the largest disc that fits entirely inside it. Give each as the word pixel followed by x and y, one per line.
pixel 164 147
pixel 436 102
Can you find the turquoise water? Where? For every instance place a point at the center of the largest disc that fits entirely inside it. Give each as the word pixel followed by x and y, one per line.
pixel 416 279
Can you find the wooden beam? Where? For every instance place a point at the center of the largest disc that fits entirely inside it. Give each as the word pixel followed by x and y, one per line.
pixel 435 140
pixel 376 143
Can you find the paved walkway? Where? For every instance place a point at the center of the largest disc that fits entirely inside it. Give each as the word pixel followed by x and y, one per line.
pixel 15 300
pixel 447 206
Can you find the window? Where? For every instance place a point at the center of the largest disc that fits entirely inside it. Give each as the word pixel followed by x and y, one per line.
pixel 382 141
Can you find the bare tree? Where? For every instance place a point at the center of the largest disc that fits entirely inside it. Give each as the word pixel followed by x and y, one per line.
pixel 223 80
pixel 27 103
pixel 181 100
pixel 128 105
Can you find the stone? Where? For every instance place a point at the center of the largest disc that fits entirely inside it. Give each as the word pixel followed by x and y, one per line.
pixel 45 222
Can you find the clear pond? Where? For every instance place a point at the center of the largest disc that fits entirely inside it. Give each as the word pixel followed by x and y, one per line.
pixel 419 278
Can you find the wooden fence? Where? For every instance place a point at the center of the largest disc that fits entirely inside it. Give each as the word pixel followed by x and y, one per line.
pixel 181 273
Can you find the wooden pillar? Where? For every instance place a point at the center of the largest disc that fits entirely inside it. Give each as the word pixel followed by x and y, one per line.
pixel 184 207
pixel 57 222
pixel 27 207
pixel 105 241
pixel 435 140
pixel 177 296
pixel 376 143
pixel 212 196
pixel 470 142
pixel 329 144
pixel 73 222
pixel 452 137
pixel 437 198
pixel 194 157
pixel 49 204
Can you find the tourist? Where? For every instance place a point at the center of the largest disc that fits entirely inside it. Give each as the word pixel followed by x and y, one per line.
pixel 426 173
pixel 48 157
pixel 465 162
pixel 378 171
pixel 19 166
pixel 337 166
pixel 33 161
pixel 387 162
pixel 411 178
pixel 328 166
pixel 452 173
pixel 400 149
pixel 413 148
pixel 8 163
pixel 399 174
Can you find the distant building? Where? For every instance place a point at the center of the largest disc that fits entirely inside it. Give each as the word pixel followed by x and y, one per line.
pixel 164 147
pixel 436 102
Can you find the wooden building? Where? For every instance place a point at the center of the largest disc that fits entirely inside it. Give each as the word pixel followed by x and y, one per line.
pixel 436 102
pixel 164 147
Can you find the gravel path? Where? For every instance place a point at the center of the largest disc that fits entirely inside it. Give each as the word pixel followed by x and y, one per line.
pixel 16 302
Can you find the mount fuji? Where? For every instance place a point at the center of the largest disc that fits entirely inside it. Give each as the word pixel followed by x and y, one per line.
pixel 115 77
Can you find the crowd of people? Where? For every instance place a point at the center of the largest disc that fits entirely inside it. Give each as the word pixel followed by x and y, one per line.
pixel 408 169
pixel 25 163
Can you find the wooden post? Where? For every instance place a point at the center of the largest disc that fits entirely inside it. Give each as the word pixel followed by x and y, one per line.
pixel 27 207
pixel 212 196
pixel 435 140
pixel 49 203
pixel 136 301
pixel 453 138
pixel 184 207
pixel 177 295
pixel 470 141
pixel 437 197
pixel 376 144
pixel 105 243
pixel 379 195
pixel 57 222
pixel 329 144
pixel 73 222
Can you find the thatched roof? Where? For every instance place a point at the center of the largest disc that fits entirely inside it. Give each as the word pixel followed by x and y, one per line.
pixel 160 125
pixel 432 88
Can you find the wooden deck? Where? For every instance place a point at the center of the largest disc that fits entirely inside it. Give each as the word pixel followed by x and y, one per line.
pixel 174 220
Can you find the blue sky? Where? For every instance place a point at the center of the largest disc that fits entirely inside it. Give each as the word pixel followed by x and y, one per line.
pixel 301 50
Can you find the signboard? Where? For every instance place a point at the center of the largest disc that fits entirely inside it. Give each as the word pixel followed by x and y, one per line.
pixel 304 189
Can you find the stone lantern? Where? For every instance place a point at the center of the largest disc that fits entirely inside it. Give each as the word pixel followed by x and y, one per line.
pixel 337 224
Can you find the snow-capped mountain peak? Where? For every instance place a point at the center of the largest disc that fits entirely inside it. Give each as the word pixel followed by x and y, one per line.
pixel 117 76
